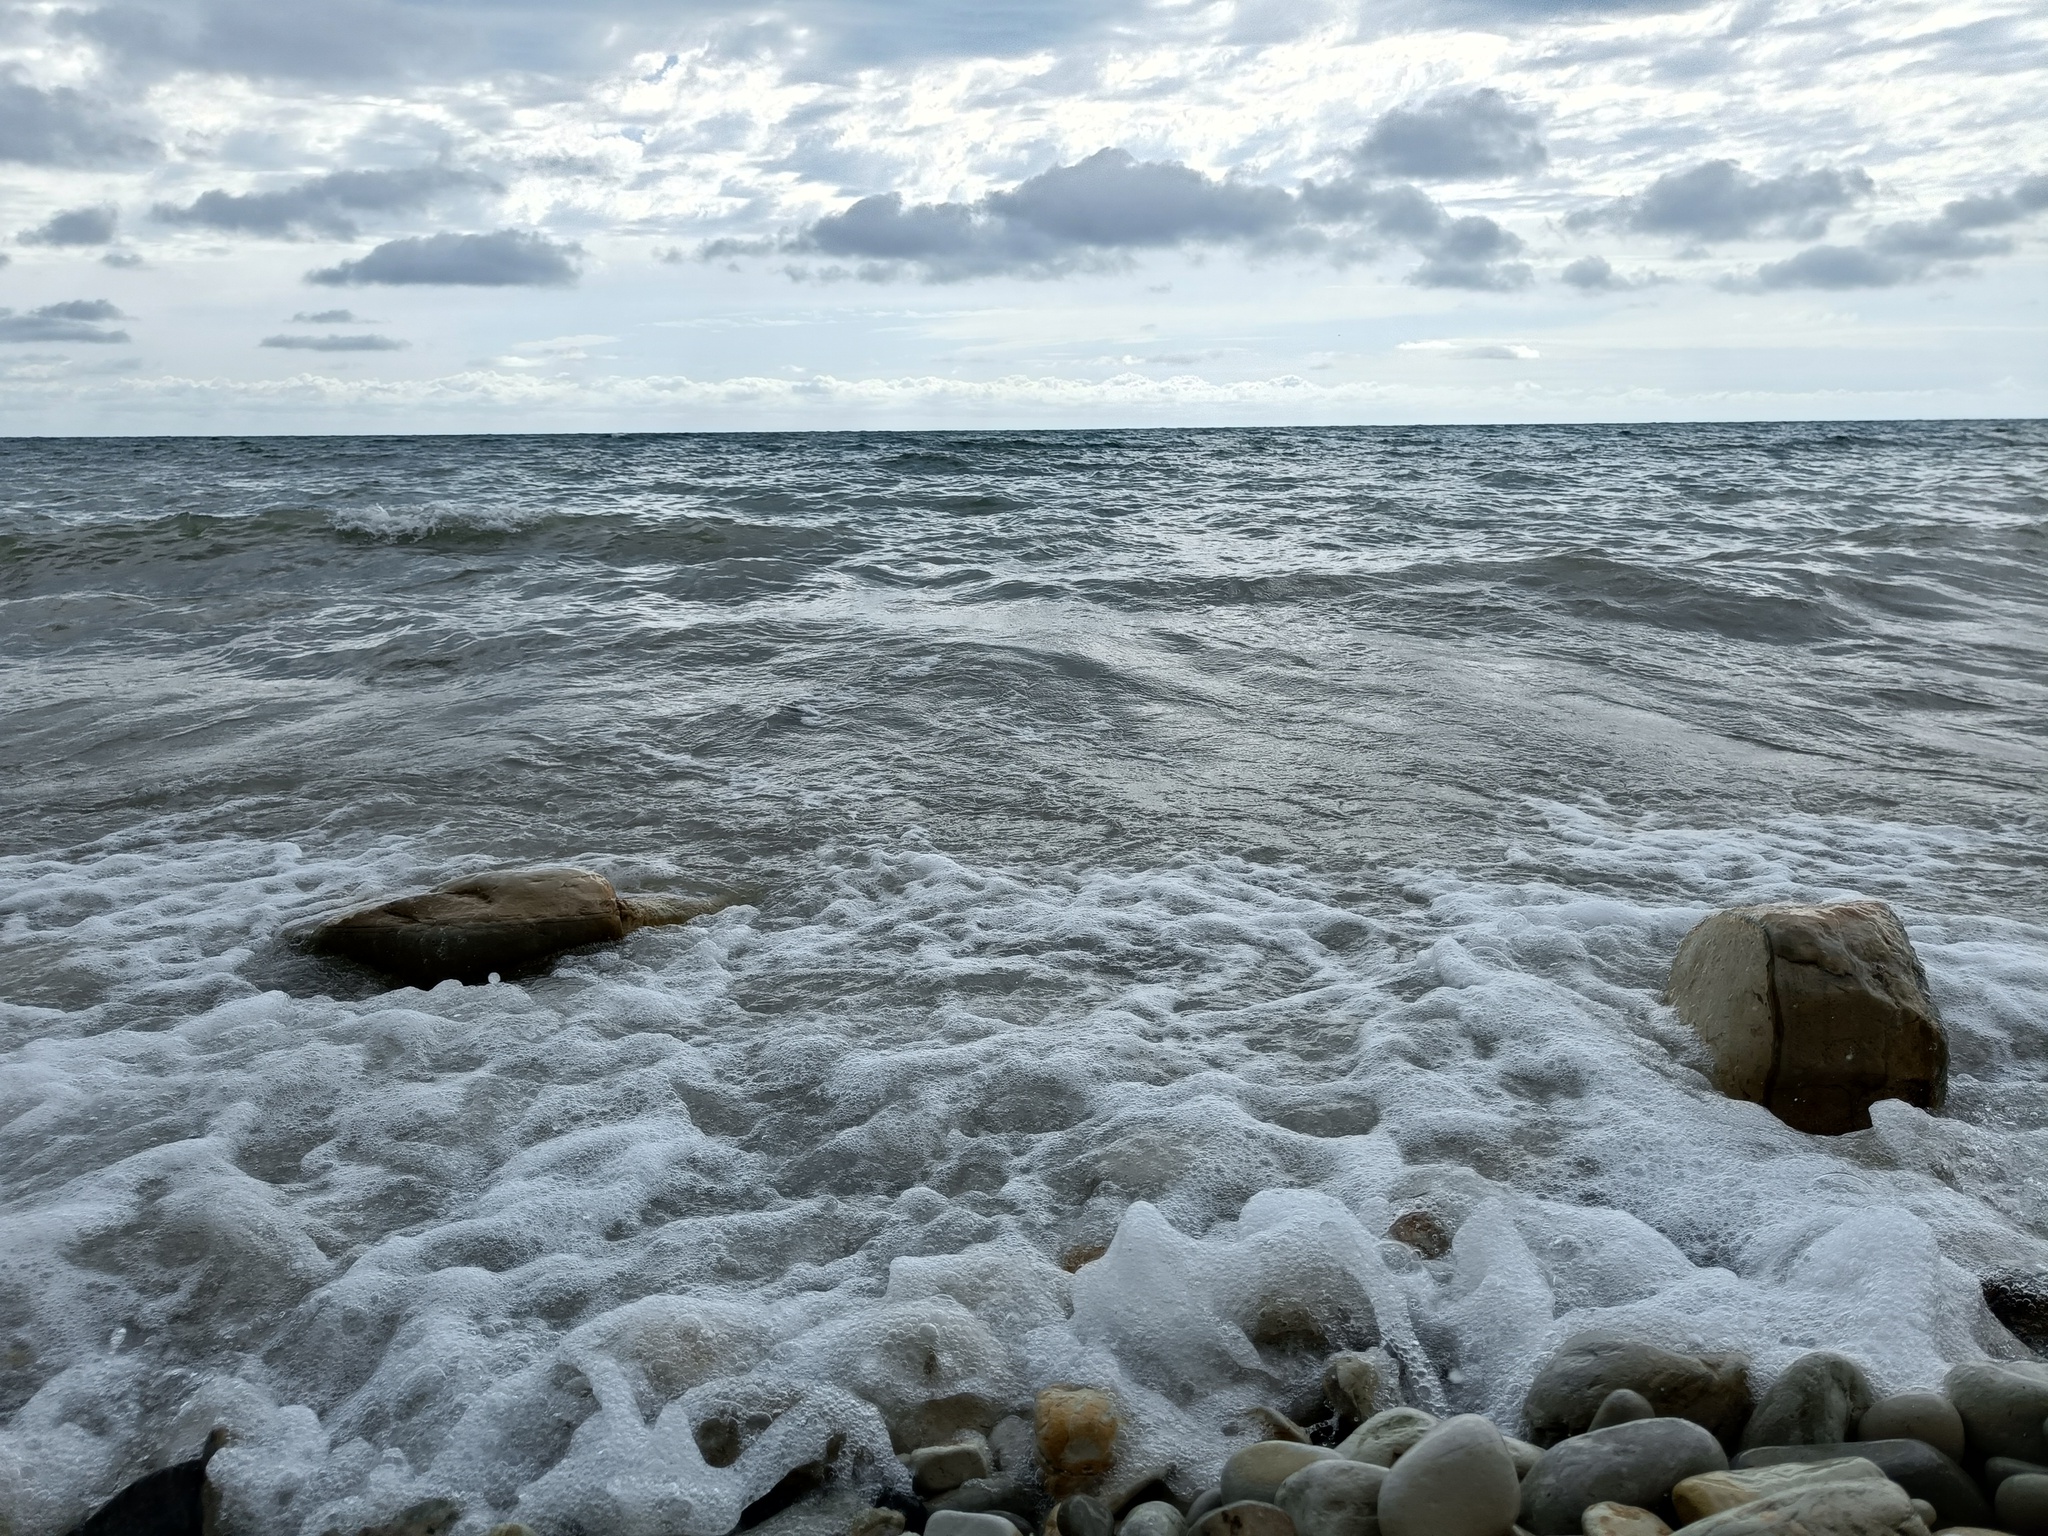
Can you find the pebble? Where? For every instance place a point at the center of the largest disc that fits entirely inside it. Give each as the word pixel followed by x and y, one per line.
pixel 1712 1492
pixel 1334 1498
pixel 1385 1437
pixel 1360 1383
pixel 942 1468
pixel 1421 1231
pixel 1710 1390
pixel 1457 1480
pixel 1209 1498
pixel 1998 1468
pixel 1608 1518
pixel 1247 1517
pixel 1082 1515
pixel 1915 1416
pixel 965 1522
pixel 1638 1463
pixel 1076 1429
pixel 1818 1400
pixel 1155 1518
pixel 1914 1465
pixel 1877 1507
pixel 1277 1426
pixel 2003 1403
pixel 1132 1486
pixel 871 1522
pixel 2023 1504
pixel 1925 1511
pixel 1257 1471
pixel 1621 1406
pixel 1522 1454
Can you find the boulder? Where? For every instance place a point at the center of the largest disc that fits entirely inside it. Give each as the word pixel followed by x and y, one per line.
pixel 1710 1390
pixel 1257 1471
pixel 1873 1507
pixel 2002 1403
pixel 1457 1480
pixel 1334 1498
pixel 1621 1406
pixel 1914 1465
pixel 1610 1519
pixel 1814 1012
pixel 1712 1492
pixel 1637 1463
pixel 1818 1400
pixel 2023 1505
pixel 1076 1429
pixel 176 1501
pixel 1924 1416
pixel 1247 1518
pixel 1385 1437
pixel 508 922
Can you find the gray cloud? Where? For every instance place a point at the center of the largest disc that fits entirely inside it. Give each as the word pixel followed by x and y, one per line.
pixel 74 320
pixel 121 259
pixel 318 207
pixel 1718 200
pixel 1460 136
pixel 508 258
pixel 329 317
pixel 74 226
pixel 359 343
pixel 61 127
pixel 1908 250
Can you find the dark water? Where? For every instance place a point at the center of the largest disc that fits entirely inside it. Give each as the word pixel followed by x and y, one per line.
pixel 1131 825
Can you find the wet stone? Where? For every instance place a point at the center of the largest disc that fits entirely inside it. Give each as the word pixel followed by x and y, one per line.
pixel 877 1522
pixel 1154 1518
pixel 1257 1471
pixel 1913 1464
pixel 1360 1383
pixel 962 1522
pixel 1924 1416
pixel 1873 1508
pixel 1712 1492
pixel 1248 1517
pixel 2023 1504
pixel 1998 1468
pixel 1610 1519
pixel 1205 1501
pixel 1334 1498
pixel 1709 1390
pixel 1421 1231
pixel 942 1468
pixel 1637 1463
pixel 1076 1430
pixel 1622 1406
pixel 1082 1515
pixel 1457 1480
pixel 2003 1404
pixel 1818 1400
pixel 1385 1437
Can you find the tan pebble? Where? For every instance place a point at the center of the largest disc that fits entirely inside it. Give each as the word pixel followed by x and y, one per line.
pixel 1610 1519
pixel 1076 1429
pixel 870 1522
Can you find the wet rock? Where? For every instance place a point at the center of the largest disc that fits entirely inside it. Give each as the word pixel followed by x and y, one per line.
pixel 1710 1390
pixel 1457 1480
pixel 176 1501
pixel 508 921
pixel 1014 1447
pixel 2019 1299
pixel 1621 1406
pixel 2003 1404
pixel 942 1468
pixel 1076 1429
pixel 1522 1454
pixel 1257 1471
pixel 1711 1492
pixel 1153 1518
pixel 1275 1425
pixel 986 1495
pixel 1128 1487
pixel 1872 1508
pixel 910 1507
pixel 1081 1515
pixel 1608 1518
pixel 877 1522
pixel 1925 1511
pixel 1637 1463
pixel 1998 1468
pixel 2023 1504
pixel 514 1528
pixel 1815 1012
pixel 1914 1465
pixel 1421 1231
pixel 1385 1437
pixel 1360 1383
pixel 1334 1498
pixel 1247 1518
pixel 1205 1501
pixel 1924 1416
pixel 429 1517
pixel 961 1522
pixel 1819 1400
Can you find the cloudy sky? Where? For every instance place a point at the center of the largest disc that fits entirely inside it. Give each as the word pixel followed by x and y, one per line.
pixel 525 214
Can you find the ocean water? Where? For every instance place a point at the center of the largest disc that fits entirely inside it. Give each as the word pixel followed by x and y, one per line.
pixel 1202 846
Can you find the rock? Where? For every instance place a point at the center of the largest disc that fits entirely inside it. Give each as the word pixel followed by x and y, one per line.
pixel 1206 1500
pixel 2019 1299
pixel 1257 1471
pixel 514 1528
pixel 429 1517
pixel 1621 1406
pixel 1914 1465
pixel 1637 1463
pixel 1925 1511
pixel 1156 1518
pixel 1421 1231
pixel 1385 1437
pixel 1275 1425
pixel 2023 1504
pixel 1608 1518
pixel 1915 1416
pixel 1132 1486
pixel 176 1501
pixel 1998 1468
pixel 942 1468
pixel 1815 1012
pixel 1081 1515
pixel 1248 1518
pixel 877 1522
pixel 1871 1508
pixel 1360 1383
pixel 1711 1492
pixel 1076 1428
pixel 1014 1447
pixel 1457 1480
pixel 1522 1454
pixel 509 921
pixel 1819 1400
pixel 961 1522
pixel 1334 1498
pixel 2002 1403
pixel 1710 1390
pixel 986 1496
pixel 911 1508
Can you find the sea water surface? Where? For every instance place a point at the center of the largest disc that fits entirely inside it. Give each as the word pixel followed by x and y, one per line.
pixel 1207 846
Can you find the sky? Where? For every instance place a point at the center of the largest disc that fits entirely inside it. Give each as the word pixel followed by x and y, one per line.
pixel 513 215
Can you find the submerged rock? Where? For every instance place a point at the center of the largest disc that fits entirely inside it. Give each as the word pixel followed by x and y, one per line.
pixel 1710 1390
pixel 1924 1416
pixel 1637 1463
pixel 1458 1480
pixel 1076 1429
pixel 1913 1464
pixel 507 922
pixel 176 1501
pixel 2003 1404
pixel 1360 1383
pixel 1819 1400
pixel 1814 1012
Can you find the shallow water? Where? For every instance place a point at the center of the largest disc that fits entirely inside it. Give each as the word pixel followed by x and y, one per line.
pixel 1217 842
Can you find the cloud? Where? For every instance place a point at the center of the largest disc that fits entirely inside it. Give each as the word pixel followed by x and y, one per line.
pixel 356 343
pixel 1476 351
pixel 75 320
pixel 318 207
pixel 62 127
pixel 74 226
pixel 1718 200
pixel 121 259
pixel 508 258
pixel 1905 251
pixel 1596 274
pixel 329 317
pixel 1454 137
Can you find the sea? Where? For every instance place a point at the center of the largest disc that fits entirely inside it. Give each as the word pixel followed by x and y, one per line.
pixel 1158 862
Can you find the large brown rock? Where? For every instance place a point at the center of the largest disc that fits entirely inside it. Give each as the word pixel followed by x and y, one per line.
pixel 1814 1012
pixel 509 921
